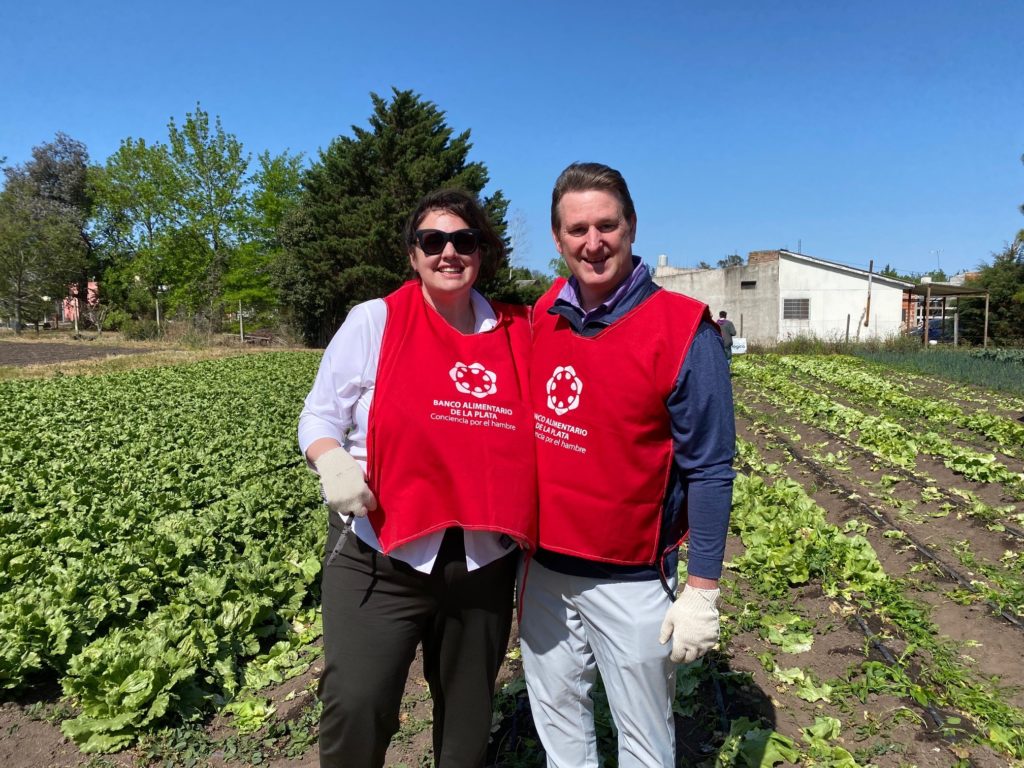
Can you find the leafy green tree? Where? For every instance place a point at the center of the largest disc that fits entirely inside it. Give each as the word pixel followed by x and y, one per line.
pixel 41 249
pixel 890 271
pixel 1020 235
pixel 212 210
pixel 133 220
pixel 528 284
pixel 937 275
pixel 187 216
pixel 343 241
pixel 57 173
pixel 276 189
pixel 558 267
pixel 1004 280
pixel 732 260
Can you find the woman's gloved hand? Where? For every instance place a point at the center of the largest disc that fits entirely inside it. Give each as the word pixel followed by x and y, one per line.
pixel 692 623
pixel 344 485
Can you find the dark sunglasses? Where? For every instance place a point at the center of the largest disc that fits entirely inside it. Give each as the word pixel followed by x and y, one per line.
pixel 433 241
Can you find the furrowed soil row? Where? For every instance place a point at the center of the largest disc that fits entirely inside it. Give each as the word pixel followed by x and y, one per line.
pixel 923 677
pixel 1001 583
pixel 888 442
pixel 970 503
pixel 842 643
pixel 996 435
pixel 965 395
pixel 966 503
pixel 879 515
pixel 1001 642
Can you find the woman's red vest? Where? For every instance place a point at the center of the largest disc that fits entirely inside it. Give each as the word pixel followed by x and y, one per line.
pixel 604 445
pixel 448 441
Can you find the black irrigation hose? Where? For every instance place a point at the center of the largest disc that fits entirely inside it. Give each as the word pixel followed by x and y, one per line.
pixel 723 718
pixel 922 548
pixel 827 479
pixel 890 659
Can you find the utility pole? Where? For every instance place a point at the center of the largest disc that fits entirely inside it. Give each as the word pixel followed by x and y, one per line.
pixel 867 307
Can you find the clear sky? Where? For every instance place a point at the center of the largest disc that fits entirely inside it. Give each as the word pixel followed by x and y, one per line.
pixel 852 131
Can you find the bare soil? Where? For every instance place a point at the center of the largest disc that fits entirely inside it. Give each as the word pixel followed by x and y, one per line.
pixel 22 353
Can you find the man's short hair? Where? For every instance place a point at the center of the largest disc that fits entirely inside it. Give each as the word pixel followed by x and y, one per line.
pixel 583 177
pixel 722 313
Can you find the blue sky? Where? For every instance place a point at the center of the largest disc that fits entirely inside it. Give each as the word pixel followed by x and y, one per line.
pixel 861 131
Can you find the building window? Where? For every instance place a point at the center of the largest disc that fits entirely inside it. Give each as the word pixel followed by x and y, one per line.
pixel 746 285
pixel 796 309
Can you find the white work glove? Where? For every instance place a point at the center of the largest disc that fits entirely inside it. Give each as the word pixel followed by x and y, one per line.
pixel 692 623
pixel 343 483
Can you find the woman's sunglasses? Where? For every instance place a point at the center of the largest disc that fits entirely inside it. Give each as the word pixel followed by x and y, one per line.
pixel 433 241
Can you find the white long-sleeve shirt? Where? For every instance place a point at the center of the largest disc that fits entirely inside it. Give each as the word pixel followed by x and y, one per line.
pixel 338 407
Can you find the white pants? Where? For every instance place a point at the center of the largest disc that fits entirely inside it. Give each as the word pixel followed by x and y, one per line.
pixel 570 627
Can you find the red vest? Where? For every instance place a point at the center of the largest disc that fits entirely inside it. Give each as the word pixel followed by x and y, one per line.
pixel 604 446
pixel 448 441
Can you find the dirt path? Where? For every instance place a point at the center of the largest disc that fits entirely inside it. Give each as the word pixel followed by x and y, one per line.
pixel 22 353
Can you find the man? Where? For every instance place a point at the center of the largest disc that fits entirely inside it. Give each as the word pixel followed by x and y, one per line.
pixel 635 440
pixel 728 333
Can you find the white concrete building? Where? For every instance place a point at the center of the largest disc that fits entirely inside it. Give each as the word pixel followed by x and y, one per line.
pixel 780 295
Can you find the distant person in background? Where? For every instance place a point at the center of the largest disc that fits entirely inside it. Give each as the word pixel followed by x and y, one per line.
pixel 419 426
pixel 728 332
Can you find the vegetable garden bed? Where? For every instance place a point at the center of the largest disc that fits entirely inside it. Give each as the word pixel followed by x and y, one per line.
pixel 160 552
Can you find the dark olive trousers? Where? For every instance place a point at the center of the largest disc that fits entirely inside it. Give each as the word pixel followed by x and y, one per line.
pixel 375 612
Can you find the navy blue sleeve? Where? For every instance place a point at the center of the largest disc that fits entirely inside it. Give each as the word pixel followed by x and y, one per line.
pixel 704 438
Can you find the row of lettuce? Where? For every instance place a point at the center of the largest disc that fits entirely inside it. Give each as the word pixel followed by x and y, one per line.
pixel 790 543
pixel 159 528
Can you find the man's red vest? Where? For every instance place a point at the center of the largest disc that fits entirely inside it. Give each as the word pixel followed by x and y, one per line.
pixel 448 442
pixel 604 445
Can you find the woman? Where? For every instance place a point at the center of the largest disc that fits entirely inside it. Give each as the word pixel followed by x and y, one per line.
pixel 427 389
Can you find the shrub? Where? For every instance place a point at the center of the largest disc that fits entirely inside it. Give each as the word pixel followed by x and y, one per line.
pixel 140 330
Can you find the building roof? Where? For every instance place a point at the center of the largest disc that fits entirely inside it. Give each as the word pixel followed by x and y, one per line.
pixel 945 289
pixel 844 268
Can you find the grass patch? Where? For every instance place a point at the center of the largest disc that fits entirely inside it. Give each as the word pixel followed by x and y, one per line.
pixel 964 366
pixel 836 345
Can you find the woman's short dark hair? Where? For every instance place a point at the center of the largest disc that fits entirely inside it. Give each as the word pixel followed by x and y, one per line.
pixel 460 203
pixel 583 177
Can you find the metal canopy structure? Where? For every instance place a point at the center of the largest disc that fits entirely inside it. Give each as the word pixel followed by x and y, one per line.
pixel 945 290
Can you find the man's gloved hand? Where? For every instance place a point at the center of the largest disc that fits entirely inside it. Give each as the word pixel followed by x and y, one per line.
pixel 692 623
pixel 344 485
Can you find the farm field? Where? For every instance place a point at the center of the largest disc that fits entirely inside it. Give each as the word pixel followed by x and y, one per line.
pixel 159 533
pixel 160 554
pixel 877 577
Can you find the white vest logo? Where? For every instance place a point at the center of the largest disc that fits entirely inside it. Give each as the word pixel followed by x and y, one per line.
pixel 564 389
pixel 474 380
